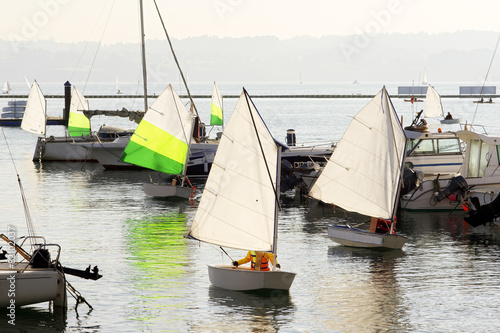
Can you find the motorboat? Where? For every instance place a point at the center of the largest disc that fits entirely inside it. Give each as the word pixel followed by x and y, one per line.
pixel 478 178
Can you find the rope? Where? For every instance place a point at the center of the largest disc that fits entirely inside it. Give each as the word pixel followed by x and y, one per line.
pixel 486 77
pixel 175 58
pixel 29 223
pixel 98 47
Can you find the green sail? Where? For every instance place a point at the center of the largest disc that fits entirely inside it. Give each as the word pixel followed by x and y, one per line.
pixel 216 116
pixel 164 153
pixel 78 124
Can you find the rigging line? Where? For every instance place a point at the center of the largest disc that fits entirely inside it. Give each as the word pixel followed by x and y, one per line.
pixel 98 47
pixel 86 45
pixel 30 226
pixel 486 77
pixel 262 151
pixel 175 58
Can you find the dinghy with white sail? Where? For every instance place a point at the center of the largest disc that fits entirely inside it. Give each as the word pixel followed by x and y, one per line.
pixel 239 206
pixel 161 142
pixel 434 107
pixel 364 172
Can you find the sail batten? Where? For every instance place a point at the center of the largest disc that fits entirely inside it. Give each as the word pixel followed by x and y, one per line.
pixel 161 140
pixel 237 209
pixel 365 168
pixel 35 114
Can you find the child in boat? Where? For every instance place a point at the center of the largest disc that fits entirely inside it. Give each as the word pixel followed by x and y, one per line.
pixel 260 260
pixel 448 116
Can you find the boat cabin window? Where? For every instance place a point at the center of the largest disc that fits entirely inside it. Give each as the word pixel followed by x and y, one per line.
pixel 478 158
pixel 435 146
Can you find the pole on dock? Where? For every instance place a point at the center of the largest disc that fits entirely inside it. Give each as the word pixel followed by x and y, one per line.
pixel 67 102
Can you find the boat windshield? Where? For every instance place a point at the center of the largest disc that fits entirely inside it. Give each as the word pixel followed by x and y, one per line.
pixel 434 146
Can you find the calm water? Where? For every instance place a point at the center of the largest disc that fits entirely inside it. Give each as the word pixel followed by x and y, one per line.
pixel 445 279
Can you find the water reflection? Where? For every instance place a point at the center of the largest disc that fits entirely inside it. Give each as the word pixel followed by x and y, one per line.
pixel 31 319
pixel 367 294
pixel 263 311
pixel 159 257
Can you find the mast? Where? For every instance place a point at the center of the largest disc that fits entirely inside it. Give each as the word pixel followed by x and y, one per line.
pixel 143 50
pixel 276 209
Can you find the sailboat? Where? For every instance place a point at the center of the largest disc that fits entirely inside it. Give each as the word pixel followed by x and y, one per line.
pixel 57 148
pixel 239 206
pixel 434 107
pixel 216 114
pixel 364 175
pixel 118 91
pixel 6 88
pixel 161 142
pixel 38 276
pixel 35 114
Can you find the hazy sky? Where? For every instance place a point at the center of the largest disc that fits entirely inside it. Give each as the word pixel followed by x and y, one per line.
pixel 79 20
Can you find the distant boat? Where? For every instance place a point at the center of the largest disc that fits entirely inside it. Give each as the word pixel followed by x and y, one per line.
pixel 355 82
pixel 6 88
pixel 216 114
pixel 434 107
pixel 14 109
pixel 489 101
pixel 424 81
pixel 368 182
pixel 118 91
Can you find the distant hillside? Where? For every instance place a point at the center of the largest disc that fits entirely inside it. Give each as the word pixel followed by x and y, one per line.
pixel 462 56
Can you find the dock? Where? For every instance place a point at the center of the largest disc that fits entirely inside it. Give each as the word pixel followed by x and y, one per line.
pixel 257 96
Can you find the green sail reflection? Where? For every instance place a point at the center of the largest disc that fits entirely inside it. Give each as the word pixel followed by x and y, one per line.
pixel 159 256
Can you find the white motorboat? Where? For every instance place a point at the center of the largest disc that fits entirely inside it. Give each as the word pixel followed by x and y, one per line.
pixel 433 154
pixel 479 177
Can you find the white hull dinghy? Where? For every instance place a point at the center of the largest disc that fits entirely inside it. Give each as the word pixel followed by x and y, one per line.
pixel 240 202
pixel 369 181
pixel 348 236
pixel 245 279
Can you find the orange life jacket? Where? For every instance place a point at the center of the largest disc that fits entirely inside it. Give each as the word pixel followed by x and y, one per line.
pixel 264 265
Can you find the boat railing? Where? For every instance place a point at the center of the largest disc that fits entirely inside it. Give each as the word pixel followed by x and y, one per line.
pixel 44 246
pixel 472 127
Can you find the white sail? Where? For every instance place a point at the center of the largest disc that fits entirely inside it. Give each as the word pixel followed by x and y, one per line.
pixel 238 207
pixel 364 170
pixel 216 114
pixel 6 87
pixel 433 106
pixel 34 119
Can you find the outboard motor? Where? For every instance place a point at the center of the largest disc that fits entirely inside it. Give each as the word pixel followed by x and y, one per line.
pixel 41 258
pixel 290 137
pixel 458 186
pixel 483 214
pixel 288 177
pixel 411 179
